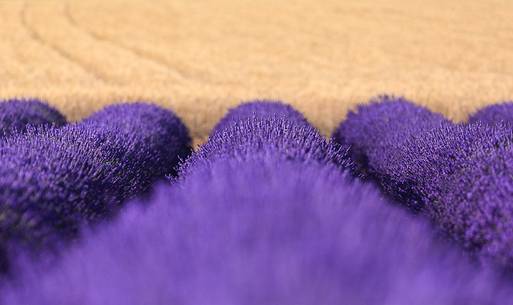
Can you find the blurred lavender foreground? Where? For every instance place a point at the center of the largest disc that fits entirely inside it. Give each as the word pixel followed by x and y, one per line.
pixel 269 223
pixel 56 180
pixel 16 115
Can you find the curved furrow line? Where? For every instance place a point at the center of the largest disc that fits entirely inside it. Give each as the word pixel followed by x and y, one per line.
pixel 178 73
pixel 34 35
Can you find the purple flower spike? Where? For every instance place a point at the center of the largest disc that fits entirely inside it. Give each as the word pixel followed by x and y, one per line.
pixel 260 232
pixel 494 114
pixel 377 131
pixel 18 114
pixel 268 129
pixel 56 180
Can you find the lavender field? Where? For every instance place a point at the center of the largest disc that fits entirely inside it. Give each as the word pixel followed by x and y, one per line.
pixel 399 206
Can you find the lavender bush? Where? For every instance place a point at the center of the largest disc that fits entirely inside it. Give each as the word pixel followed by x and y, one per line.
pixel 18 114
pixel 377 131
pixel 268 128
pixel 54 181
pixel 155 130
pixel 457 174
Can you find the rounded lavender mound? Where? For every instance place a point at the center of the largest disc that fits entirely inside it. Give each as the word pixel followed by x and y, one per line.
pixel 268 129
pixel 448 172
pixel 155 129
pixel 494 114
pixel 377 131
pixel 480 213
pixel 259 232
pixel 54 181
pixel 419 169
pixel 18 114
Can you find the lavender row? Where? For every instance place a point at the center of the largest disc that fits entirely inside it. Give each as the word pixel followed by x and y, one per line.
pixel 56 180
pixel 457 174
pixel 261 218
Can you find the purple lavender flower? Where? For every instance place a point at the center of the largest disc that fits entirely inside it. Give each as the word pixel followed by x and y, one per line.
pixel 494 114
pixel 263 231
pixel 377 131
pixel 268 128
pixel 17 114
pixel 58 179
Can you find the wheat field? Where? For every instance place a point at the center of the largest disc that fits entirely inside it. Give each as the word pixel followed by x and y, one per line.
pixel 201 57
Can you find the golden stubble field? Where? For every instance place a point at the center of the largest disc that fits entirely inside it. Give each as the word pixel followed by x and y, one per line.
pixel 201 57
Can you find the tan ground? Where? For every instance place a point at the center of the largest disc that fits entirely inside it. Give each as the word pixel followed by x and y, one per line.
pixel 201 56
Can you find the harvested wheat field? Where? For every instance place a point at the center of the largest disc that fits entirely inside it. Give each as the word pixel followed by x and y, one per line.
pixel 200 57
